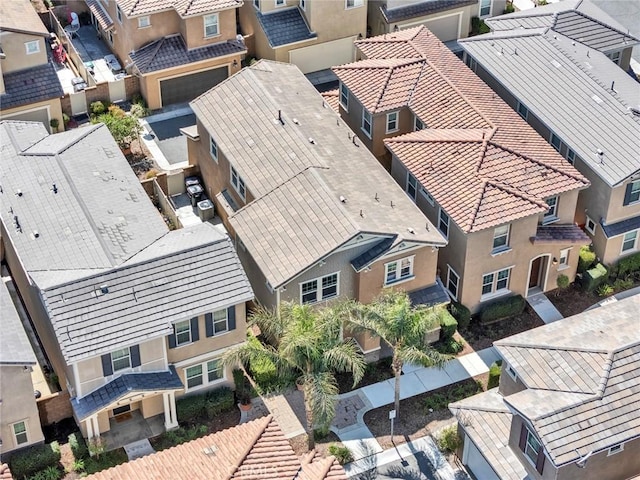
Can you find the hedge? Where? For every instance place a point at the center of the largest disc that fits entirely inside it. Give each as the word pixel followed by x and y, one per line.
pixel 191 407
pixel 218 401
pixel 207 404
pixel 594 277
pixel 461 313
pixel 500 309
pixel 587 258
pixel 29 461
pixel 494 375
pixel 448 325
pixel 78 446
pixel 629 265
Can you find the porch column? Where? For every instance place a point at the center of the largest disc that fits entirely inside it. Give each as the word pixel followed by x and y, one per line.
pixel 170 420
pixel 93 428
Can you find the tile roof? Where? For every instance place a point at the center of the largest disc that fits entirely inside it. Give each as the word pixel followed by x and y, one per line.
pixel 486 419
pixel 171 51
pixel 604 118
pixel 30 85
pixel 125 385
pixel 184 8
pixel 434 294
pixel 20 16
pixel 15 348
pixel 295 174
pixel 561 234
pixel 332 97
pixel 283 27
pixel 100 14
pixel 420 9
pixel 256 450
pixel 586 393
pixel 623 226
pixel 372 254
pixel 186 272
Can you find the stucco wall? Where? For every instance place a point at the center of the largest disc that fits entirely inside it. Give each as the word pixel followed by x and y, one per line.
pixel 16 58
pixel 53 106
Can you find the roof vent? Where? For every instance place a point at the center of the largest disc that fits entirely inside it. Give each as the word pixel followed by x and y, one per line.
pixel 411 230
pixel 280 119
pixel 19 193
pixel 54 188
pixel 343 199
pixel 35 234
pixel 296 121
pixel 354 141
pixel 613 84
pixel 312 141
pixel 16 222
pixel 600 156
pixel 102 290
pixel 635 110
pixel 376 197
pixel 210 450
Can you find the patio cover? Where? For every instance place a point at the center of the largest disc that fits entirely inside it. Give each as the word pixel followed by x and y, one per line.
pixel 101 15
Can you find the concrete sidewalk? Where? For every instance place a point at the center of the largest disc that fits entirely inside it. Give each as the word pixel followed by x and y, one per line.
pixel 544 308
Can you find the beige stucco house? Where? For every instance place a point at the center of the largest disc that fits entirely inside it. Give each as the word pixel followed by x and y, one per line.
pixel 130 314
pixel 313 35
pixel 589 110
pixel 29 86
pixel 503 198
pixel 314 216
pixel 178 49
pixel 566 406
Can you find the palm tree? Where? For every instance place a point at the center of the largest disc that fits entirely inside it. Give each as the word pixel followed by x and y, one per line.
pixel 307 341
pixel 403 326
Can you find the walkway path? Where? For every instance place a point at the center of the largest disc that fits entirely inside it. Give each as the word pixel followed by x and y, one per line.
pixel 544 308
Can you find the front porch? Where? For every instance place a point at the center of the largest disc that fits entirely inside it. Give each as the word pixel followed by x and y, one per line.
pixel 131 427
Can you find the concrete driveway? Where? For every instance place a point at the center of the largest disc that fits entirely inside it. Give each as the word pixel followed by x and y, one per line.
pixel 164 129
pixel 413 467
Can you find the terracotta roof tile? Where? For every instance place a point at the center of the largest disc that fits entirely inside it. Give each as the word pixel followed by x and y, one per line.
pixel 332 97
pixel 185 8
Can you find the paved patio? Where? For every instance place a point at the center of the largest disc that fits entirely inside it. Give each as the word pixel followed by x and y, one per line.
pixel 124 431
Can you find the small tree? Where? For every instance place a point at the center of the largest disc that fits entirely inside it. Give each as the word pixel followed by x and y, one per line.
pixel 54 122
pixel 563 283
pixel 124 128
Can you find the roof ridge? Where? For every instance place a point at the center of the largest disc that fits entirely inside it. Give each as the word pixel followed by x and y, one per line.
pixel 595 20
pixel 384 87
pixel 269 419
pixel 517 192
pixel 604 380
pixel 551 347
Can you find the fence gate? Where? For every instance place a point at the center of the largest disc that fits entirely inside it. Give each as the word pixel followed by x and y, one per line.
pixel 117 91
pixel 78 103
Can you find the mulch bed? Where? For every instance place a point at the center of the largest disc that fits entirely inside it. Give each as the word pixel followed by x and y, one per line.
pixel 375 372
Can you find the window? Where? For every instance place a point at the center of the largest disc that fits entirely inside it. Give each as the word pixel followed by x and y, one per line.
pixel 238 183
pixel 532 447
pixel 523 111
pixel 318 289
pixel 428 196
pixel 590 226
pixel 412 186
pixel 183 332
pixel 496 282
pixel 398 270
pixel 443 223
pixel 20 432
pixel 417 124
pixel 32 47
pixel 118 13
pixel 110 32
pixel 213 148
pixel 485 8
pixel 564 258
pixel 571 156
pixel 501 238
pixel 632 193
pixel 121 359
pixel 555 141
pixel 214 370
pixel 354 3
pixel 392 122
pixel 366 122
pixel 144 21
pixel 256 4
pixel 303 4
pixel 616 449
pixel 551 214
pixel 629 241
pixel 220 322
pixel 512 373
pixel 280 3
pixel 453 282
pixel 194 376
pixel 344 96
pixel 211 25
pixel 614 57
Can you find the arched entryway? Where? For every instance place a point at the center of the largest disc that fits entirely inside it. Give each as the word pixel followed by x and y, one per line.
pixel 538 270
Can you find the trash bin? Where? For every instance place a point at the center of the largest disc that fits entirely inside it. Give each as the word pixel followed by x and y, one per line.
pixel 195 194
pixel 206 210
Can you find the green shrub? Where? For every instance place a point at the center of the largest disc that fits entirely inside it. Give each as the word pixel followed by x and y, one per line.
pixel 29 461
pixel 78 446
pixel 494 376
pixel 500 309
pixel 594 277
pixel 622 284
pixel 105 460
pixel 138 110
pixel 448 325
pixel 138 99
pixel 448 440
pixel 78 465
pixel 65 119
pixel 605 290
pixel 320 433
pixel 562 281
pixel 342 453
pixel 461 313
pixel 629 266
pixel 179 435
pixel 449 346
pixel 509 8
pixel 191 407
pixel 440 400
pixel 218 401
pixel 586 258
pixel 98 107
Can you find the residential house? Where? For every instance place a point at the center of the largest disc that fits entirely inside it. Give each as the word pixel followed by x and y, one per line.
pixel 255 450
pixel 19 418
pixel 312 34
pixel 566 407
pixel 129 313
pixel 500 194
pixel 29 86
pixel 178 49
pixel 448 20
pixel 588 109
pixel 314 216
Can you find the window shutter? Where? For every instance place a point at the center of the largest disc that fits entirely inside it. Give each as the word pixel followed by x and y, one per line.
pixel 523 438
pixel 172 338
pixel 195 334
pixel 208 324
pixel 231 317
pixel 135 356
pixel 540 460
pixel 107 368
pixel 627 195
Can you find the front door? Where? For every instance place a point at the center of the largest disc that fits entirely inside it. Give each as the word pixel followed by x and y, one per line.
pixel 121 410
pixel 535 272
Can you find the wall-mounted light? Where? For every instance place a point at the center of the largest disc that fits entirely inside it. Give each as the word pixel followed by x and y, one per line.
pixel 359 36
pixel 555 261
pixel 235 63
pixel 395 28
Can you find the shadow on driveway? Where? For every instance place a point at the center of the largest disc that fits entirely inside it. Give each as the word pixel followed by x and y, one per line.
pixel 172 144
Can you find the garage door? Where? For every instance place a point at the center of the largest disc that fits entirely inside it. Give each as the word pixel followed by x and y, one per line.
pixel 445 28
pixel 41 115
pixel 186 88
pixel 476 463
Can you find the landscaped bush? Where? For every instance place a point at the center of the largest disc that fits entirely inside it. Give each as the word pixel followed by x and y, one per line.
pixel 622 284
pixel 265 374
pixel 78 446
pixel 500 309
pixel 342 453
pixel 218 401
pixel 628 266
pixel 605 290
pixel 190 408
pixel 179 435
pixel 448 325
pixel 440 400
pixel 494 375
pixel 461 313
pixel 509 8
pixel 448 440
pixel 449 346
pixel 31 460
pixel 478 26
pixel 594 277
pixel 587 258
pixel 98 107
pixel 105 460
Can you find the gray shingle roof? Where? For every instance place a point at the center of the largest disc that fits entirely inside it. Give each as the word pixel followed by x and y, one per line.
pixel 585 113
pixel 426 7
pixel 283 27
pixel 572 234
pixel 185 273
pixel 125 385
pixel 171 51
pixel 621 227
pixel 98 214
pixel 31 85
pixel 432 295
pixel 586 393
pixel 298 184
pixel 15 348
pixel 369 256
